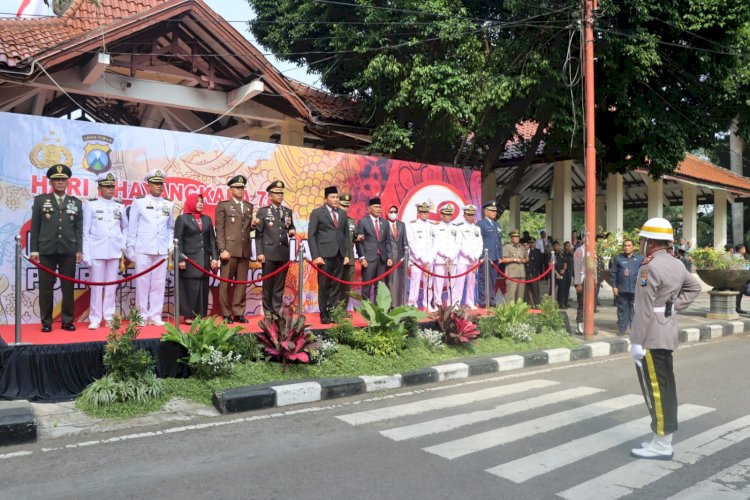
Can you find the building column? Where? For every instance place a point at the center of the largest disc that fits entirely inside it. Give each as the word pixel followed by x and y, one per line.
pixel 720 218
pixel 292 133
pixel 690 214
pixel 548 208
pixel 615 203
pixel 600 211
pixel 514 215
pixel 562 204
pixel 655 197
pixel 736 146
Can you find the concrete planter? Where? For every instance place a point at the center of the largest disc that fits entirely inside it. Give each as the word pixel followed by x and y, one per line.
pixel 723 298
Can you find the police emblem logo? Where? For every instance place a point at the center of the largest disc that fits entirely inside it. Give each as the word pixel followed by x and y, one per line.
pixel 110 177
pixel 59 169
pixel 158 173
pixel 96 158
pixel 242 179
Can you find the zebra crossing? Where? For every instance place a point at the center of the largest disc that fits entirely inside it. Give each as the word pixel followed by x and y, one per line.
pixel 535 406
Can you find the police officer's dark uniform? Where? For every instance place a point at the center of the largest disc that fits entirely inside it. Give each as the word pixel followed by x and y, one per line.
pixel 493 242
pixel 272 232
pixel 57 240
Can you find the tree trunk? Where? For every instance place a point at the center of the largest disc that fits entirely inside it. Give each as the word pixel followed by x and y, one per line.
pixel 736 146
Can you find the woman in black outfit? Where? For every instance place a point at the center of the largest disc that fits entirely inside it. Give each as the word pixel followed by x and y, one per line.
pixel 195 233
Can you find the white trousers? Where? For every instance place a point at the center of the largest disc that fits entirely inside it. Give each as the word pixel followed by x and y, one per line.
pixel 150 292
pixel 417 279
pixel 467 283
pixel 439 283
pixel 102 305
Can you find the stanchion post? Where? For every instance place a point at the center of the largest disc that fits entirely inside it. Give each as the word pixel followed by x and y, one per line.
pixel 300 279
pixel 487 264
pixel 405 287
pixel 18 289
pixel 552 276
pixel 176 265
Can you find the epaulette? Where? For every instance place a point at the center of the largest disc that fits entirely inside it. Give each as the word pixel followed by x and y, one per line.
pixel 139 197
pixel 413 221
pixel 117 200
pixel 434 223
pixel 94 198
pixel 457 223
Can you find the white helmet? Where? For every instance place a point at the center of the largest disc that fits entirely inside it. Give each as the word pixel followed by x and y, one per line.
pixel 657 228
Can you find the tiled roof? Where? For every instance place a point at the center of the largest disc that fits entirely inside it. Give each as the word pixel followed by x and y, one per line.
pixel 697 169
pixel 330 106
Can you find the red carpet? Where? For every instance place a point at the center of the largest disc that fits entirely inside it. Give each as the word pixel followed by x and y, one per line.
pixel 32 332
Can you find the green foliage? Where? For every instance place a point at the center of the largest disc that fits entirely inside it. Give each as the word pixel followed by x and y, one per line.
pixel 713 258
pixel 549 315
pixel 247 347
pixel 287 339
pixel 208 343
pixel 343 329
pixel 110 389
pixel 381 319
pixel 457 324
pixel 610 247
pixel 122 359
pixel 504 318
pixel 380 343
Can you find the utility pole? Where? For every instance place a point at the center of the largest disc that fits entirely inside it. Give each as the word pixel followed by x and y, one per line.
pixel 590 283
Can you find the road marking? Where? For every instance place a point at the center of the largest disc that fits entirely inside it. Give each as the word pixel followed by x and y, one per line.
pixel 635 475
pixel 536 464
pixel 457 421
pixel 730 484
pixel 511 433
pixel 15 454
pixel 439 403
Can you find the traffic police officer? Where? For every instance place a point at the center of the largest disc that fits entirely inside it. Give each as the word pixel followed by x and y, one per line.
pixel 273 228
pixel 514 257
pixel 234 221
pixel 105 229
pixel 468 256
pixel 419 234
pixel 664 287
pixel 345 201
pixel 492 241
pixel 150 234
pixel 446 244
pixel 56 242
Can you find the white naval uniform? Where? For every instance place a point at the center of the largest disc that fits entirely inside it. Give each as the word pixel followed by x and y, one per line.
pixel 105 228
pixel 150 235
pixel 446 244
pixel 468 256
pixel 419 234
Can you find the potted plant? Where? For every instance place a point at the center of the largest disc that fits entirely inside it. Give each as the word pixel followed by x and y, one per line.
pixel 610 246
pixel 719 269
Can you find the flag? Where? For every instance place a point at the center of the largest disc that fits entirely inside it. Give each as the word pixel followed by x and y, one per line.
pixel 32 9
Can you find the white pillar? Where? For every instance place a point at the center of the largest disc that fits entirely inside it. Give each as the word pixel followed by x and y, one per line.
pixel 720 218
pixel 690 214
pixel 655 197
pixel 736 146
pixel 292 133
pixel 600 222
pixel 548 208
pixel 615 203
pixel 514 217
pixel 562 211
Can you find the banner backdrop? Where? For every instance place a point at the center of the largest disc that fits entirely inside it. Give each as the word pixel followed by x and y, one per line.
pixel 194 162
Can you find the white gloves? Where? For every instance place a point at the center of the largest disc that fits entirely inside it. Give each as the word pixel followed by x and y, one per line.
pixel 638 352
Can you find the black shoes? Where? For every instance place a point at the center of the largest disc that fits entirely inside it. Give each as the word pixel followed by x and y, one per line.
pixel 46 328
pixel 325 320
pixel 228 320
pixel 741 311
pixel 70 327
pixel 240 319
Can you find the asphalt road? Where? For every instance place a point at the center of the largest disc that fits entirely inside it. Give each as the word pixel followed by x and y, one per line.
pixel 557 432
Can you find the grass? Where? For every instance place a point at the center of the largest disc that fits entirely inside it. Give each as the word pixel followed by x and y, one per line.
pixel 346 362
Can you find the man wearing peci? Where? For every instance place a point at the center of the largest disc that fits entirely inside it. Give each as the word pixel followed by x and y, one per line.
pixel 105 228
pixel 234 218
pixel 374 250
pixel 57 243
pixel 328 237
pixel 273 228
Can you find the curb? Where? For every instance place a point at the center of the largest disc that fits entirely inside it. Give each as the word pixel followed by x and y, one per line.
pixel 17 423
pixel 285 394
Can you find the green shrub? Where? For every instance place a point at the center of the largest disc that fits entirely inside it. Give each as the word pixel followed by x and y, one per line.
pixel 411 324
pixel 549 317
pixel 382 343
pixel 247 347
pixel 209 346
pixel 109 389
pixel 343 329
pixel 504 318
pixel 381 319
pixel 122 358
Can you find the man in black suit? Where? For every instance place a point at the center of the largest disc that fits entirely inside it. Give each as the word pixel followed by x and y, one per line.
pixel 397 242
pixel 57 242
pixel 375 250
pixel 328 237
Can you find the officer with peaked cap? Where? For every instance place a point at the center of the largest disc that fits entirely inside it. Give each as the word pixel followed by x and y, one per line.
pixel 150 236
pixel 515 257
pixel 468 256
pixel 345 201
pixel 419 234
pixel 105 228
pixel 57 243
pixel 273 230
pixel 446 245
pixel 664 287
pixel 234 222
pixel 492 241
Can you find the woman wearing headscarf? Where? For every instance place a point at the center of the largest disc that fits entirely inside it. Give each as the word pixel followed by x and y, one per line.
pixel 195 234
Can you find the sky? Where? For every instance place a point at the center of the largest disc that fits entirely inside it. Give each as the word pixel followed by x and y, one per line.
pixel 237 12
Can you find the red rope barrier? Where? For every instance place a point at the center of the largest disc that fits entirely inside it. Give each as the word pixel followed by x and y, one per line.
pixel 355 283
pixel 95 283
pixel 545 273
pixel 236 282
pixel 471 270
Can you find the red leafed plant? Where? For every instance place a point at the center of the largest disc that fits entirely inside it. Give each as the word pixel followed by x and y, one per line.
pixel 287 339
pixel 457 324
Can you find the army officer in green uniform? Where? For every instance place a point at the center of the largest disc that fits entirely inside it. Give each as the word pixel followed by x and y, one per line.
pixel 273 228
pixel 57 243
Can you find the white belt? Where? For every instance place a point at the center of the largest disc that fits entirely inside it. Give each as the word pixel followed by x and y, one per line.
pixel 660 309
